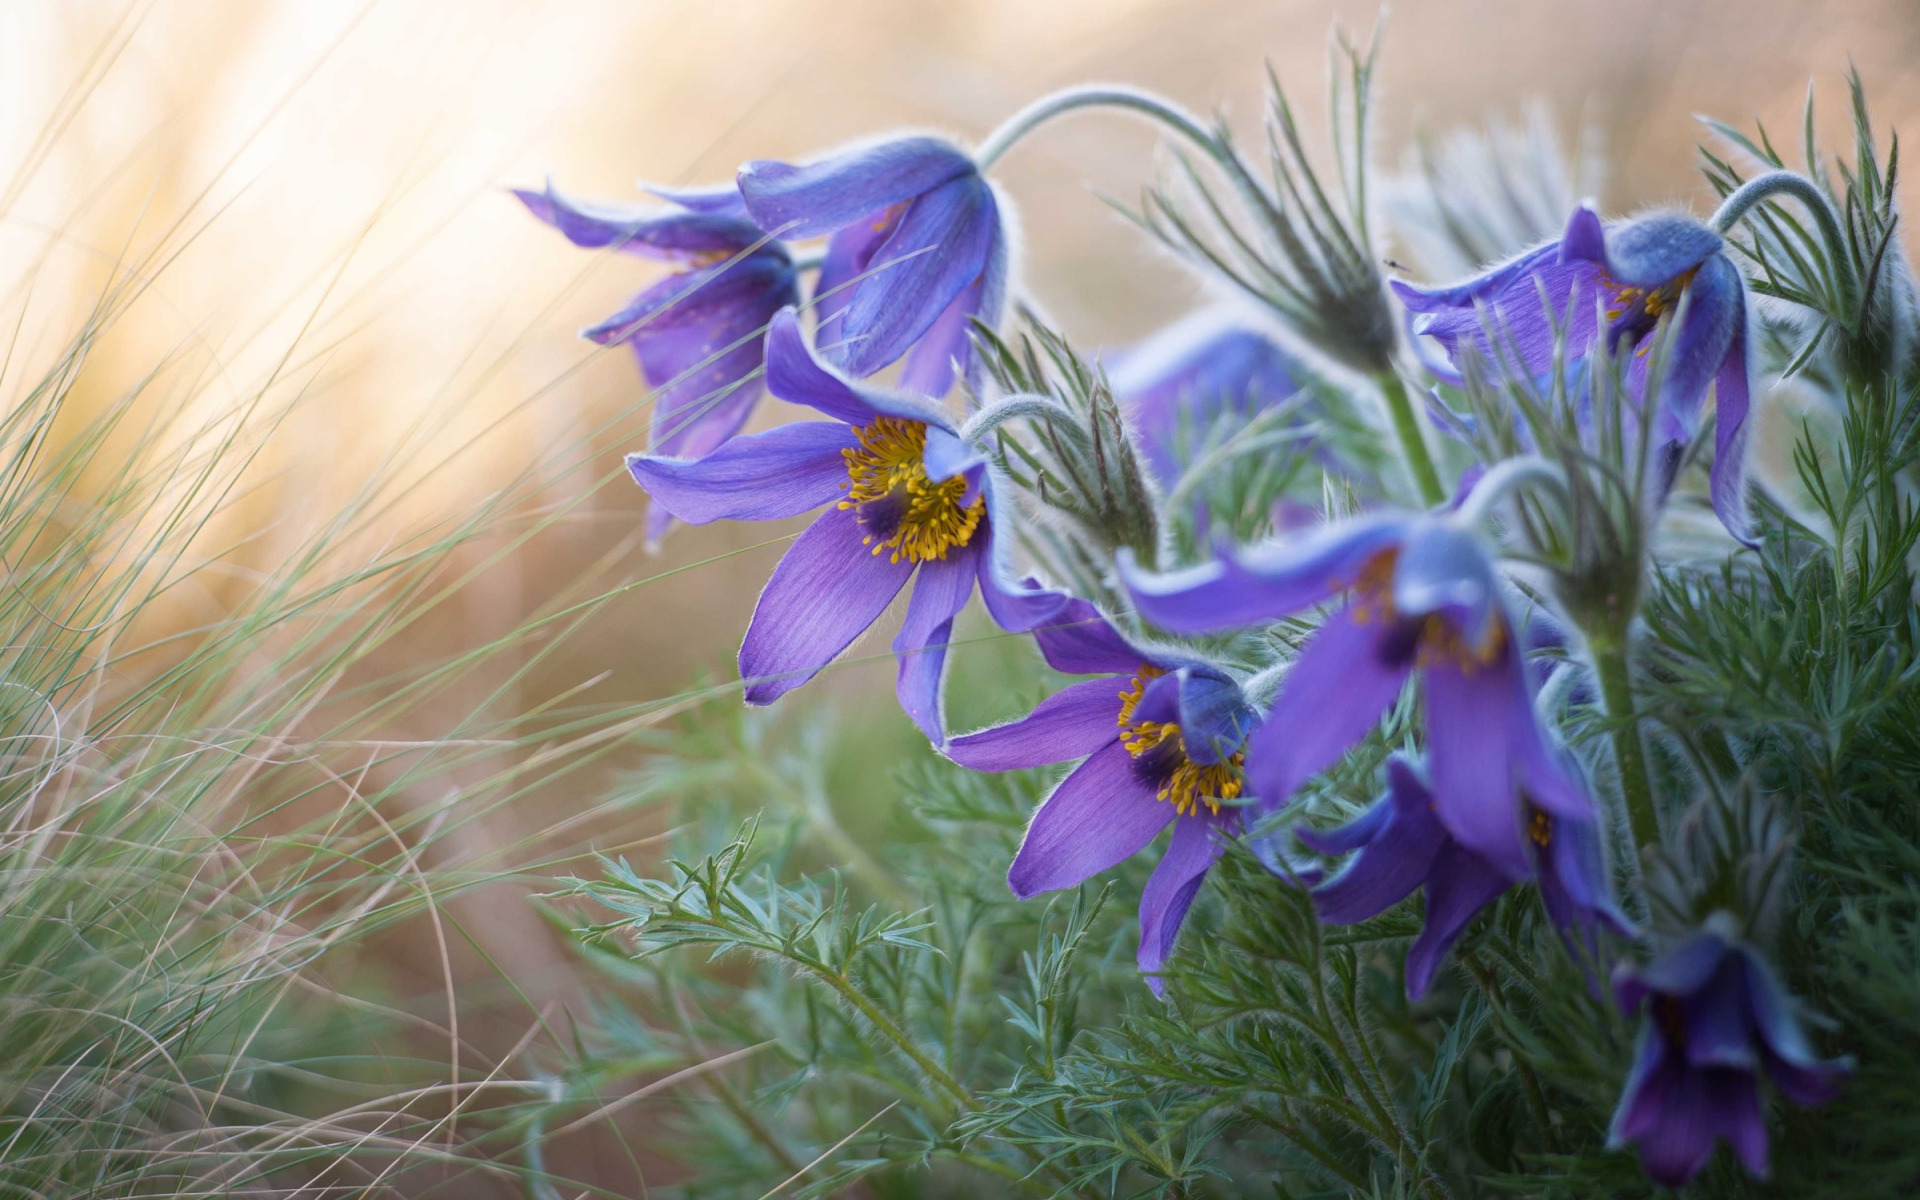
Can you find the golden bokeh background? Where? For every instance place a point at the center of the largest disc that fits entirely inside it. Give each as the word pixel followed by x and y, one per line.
pixel 308 197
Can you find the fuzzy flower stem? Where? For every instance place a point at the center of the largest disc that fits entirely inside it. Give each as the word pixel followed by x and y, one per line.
pixel 1413 443
pixel 1144 103
pixel 1629 750
pixel 1504 478
pixel 1785 183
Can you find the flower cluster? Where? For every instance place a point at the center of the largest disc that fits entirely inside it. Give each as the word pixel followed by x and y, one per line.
pixel 1335 627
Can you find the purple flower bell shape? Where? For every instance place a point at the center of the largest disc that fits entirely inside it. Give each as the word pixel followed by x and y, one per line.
pixel 1421 600
pixel 904 497
pixel 698 334
pixel 916 251
pixel 1714 1018
pixel 1619 283
pixel 1401 845
pixel 1162 744
pixel 1176 383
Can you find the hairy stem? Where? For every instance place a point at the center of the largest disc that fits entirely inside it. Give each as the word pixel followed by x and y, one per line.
pixel 1135 100
pixel 1413 442
pixel 1629 749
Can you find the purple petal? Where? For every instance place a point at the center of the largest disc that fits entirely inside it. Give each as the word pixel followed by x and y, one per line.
pixel 760 477
pixel 939 247
pixel 1584 237
pixel 1336 691
pixel 1170 891
pixel 1187 375
pixel 1072 723
pixel 644 229
pixel 1572 877
pixel 849 252
pixel 1718 1033
pixel 1729 478
pixel 1479 722
pixel 1419 298
pixel 827 590
pixel 816 199
pixel 1401 841
pixel 1680 971
pixel 1714 309
pixel 1460 885
pixel 1800 1075
pixel 722 199
pixel 1016 608
pixel 1651 251
pixel 1443 569
pixel 1672 1124
pixel 941 591
pixel 946 344
pixel 1733 1105
pixel 1264 582
pixel 795 375
pixel 1099 816
pixel 1079 641
pixel 1214 716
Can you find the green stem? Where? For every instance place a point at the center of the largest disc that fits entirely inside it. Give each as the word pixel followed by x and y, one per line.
pixel 1629 750
pixel 1135 100
pixel 1413 442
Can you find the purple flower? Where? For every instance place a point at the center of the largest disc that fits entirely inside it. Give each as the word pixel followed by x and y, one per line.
pixel 1421 599
pixel 1619 282
pixel 1179 381
pixel 1715 1017
pixel 699 333
pixel 917 251
pixel 1402 845
pixel 905 496
pixel 1162 743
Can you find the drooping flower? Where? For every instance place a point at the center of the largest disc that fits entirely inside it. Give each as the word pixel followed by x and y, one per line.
pixel 917 250
pixel 1178 382
pixel 1402 845
pixel 1618 283
pixel 1162 743
pixel 1714 1017
pixel 699 334
pixel 904 496
pixel 1422 600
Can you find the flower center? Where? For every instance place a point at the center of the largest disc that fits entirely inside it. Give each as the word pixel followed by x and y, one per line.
pixel 1633 311
pixel 1539 827
pixel 1160 756
pixel 1673 1020
pixel 899 507
pixel 1428 641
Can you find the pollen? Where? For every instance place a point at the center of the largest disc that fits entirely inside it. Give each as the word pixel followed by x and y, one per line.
pixel 1434 640
pixel 1160 754
pixel 901 509
pixel 1540 828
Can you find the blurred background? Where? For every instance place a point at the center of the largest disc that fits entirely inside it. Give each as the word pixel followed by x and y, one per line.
pixel 331 176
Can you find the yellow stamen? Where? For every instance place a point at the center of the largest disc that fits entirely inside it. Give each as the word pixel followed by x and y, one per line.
pixel 1189 784
pixel 1438 641
pixel 1539 828
pixel 890 464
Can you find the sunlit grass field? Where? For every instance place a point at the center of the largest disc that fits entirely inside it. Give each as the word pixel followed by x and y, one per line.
pixel 331 637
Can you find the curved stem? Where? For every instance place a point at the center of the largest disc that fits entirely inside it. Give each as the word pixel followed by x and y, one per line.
pixel 1505 477
pixel 1787 183
pixel 1413 442
pixel 1629 750
pixel 1143 103
pixel 1031 407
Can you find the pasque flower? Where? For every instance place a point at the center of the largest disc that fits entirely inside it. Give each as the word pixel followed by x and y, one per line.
pixel 1714 1019
pixel 1162 743
pixel 1402 845
pixel 1617 284
pixel 904 496
pixel 917 250
pixel 1421 598
pixel 699 333
pixel 1178 382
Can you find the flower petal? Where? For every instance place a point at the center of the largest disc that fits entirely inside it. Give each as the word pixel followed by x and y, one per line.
pixel 1336 691
pixel 1079 641
pixel 1730 401
pixel 1016 608
pixel 1074 722
pixel 939 247
pixel 1171 889
pixel 1398 839
pixel 1714 309
pixel 1271 580
pixel 941 591
pixel 796 375
pixel 1183 378
pixel 723 199
pixel 760 477
pixel 1443 570
pixel 1801 1076
pixel 946 344
pixel 1099 815
pixel 1479 723
pixel 834 192
pixel 1460 885
pixel 644 229
pixel 1215 717
pixel 825 593
pixel 1651 251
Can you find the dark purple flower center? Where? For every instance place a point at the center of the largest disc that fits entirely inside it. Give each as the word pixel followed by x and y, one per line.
pixel 1160 756
pixel 901 509
pixel 1632 311
pixel 1431 639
